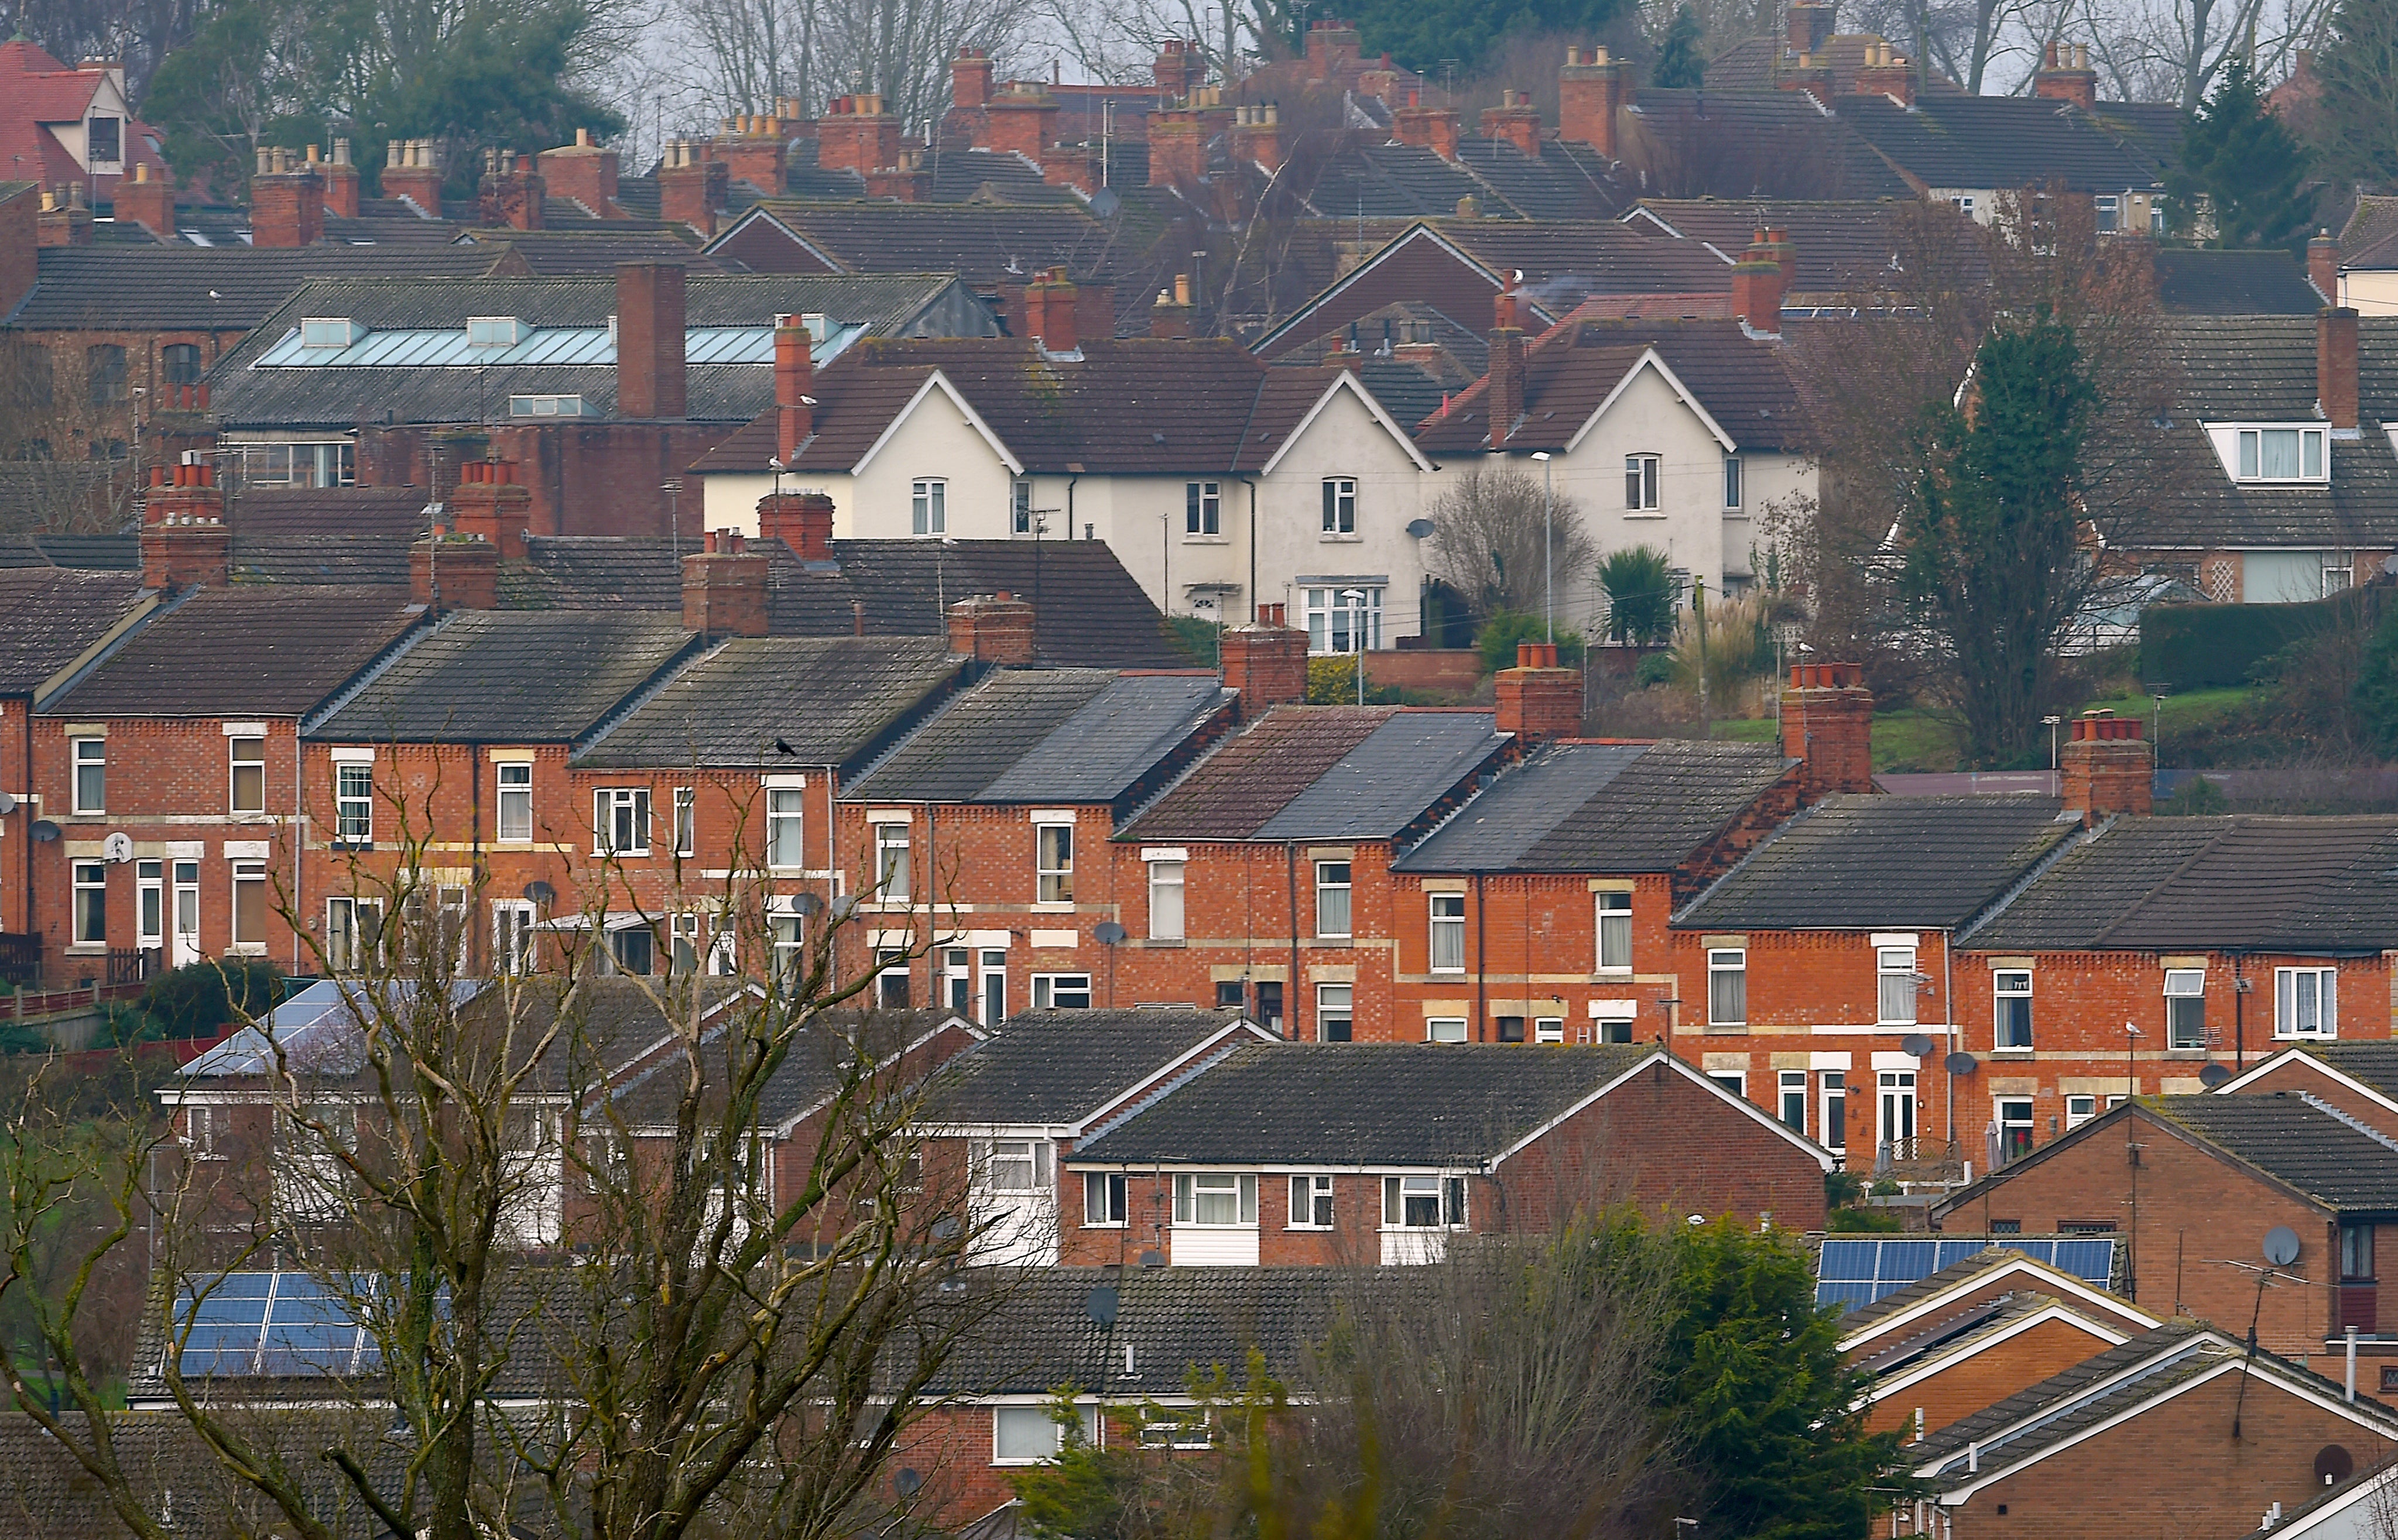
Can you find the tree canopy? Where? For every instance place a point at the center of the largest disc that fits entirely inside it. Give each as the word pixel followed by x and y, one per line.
pixel 1425 34
pixel 2356 106
pixel 2241 170
pixel 1680 64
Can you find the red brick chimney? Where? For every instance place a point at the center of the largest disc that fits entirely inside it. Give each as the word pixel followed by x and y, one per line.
pixel 1756 281
pixel 1504 395
pixel 996 628
pixel 2322 266
pixel 453 571
pixel 1515 120
pixel 753 148
pixel 2066 76
pixel 148 201
pixel 342 180
pixel 585 172
pixel 1178 147
pixel 1432 128
pixel 1886 73
pixel 184 540
pixel 1257 135
pixel 857 134
pixel 489 505
pixel 64 220
pixel 1811 73
pixel 1331 45
pixel 724 587
pixel 1828 724
pixel 1023 119
pixel 1591 89
pixel 1538 700
pixel 1808 26
pixel 795 383
pixel 801 520
pixel 1266 662
pixel 691 188
pixel 510 195
pixel 412 170
pixel 2335 366
pixel 1049 314
pixel 1178 66
pixel 2106 768
pixel 286 200
pixel 909 181
pixel 1169 319
pixel 970 80
pixel 649 340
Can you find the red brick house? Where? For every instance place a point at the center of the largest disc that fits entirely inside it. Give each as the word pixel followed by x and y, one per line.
pixel 2358 1078
pixel 1358 1155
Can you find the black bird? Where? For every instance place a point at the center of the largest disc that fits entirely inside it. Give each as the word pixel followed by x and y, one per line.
pixel 782 746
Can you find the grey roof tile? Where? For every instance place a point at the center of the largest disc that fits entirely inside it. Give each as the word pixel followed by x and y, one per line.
pixel 1237 789
pixel 1062 735
pixel 498 676
pixel 247 651
pixel 1997 141
pixel 2193 281
pixel 1066 1066
pixel 50 615
pixel 2290 1139
pixel 1411 764
pixel 833 699
pixel 221 288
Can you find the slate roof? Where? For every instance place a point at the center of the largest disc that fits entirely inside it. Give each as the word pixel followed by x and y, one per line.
pixel 1998 142
pixel 1325 772
pixel 89 553
pixel 2066 1403
pixel 833 699
pixel 280 511
pixel 1442 1104
pixel 2316 886
pixel 1060 1067
pixel 2195 282
pixel 2373 1060
pixel 1867 863
pixel 1726 142
pixel 1742 383
pixel 246 651
pixel 212 289
pixel 592 249
pixel 1837 245
pixel 500 676
pixel 986 244
pixel 2369 239
pixel 1400 181
pixel 2310 1148
pixel 1601 808
pixel 341 398
pixel 820 1060
pixel 1048 735
pixel 50 615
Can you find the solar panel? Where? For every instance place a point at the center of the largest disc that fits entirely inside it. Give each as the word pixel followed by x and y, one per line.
pixel 279 1323
pixel 1858 1270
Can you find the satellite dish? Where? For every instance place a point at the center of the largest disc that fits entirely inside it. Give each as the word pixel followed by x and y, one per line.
pixel 1100 1305
pixel 1961 1063
pixel 1153 1258
pixel 8 804
pixel 44 831
pixel 1419 527
pixel 1107 933
pixel 1105 202
pixel 2281 1245
pixel 117 849
pixel 1914 1045
pixel 806 906
pixel 908 1483
pixel 845 907
pixel 538 891
pixel 2213 1075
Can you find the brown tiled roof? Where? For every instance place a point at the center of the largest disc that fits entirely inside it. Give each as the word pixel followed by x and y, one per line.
pixel 50 615
pixel 1239 788
pixel 1836 244
pixel 242 652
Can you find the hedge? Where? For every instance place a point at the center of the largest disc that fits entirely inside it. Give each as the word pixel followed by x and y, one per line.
pixel 2209 645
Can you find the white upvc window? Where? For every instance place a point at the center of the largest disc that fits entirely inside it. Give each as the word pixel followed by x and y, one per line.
pixel 1614 933
pixel 1336 624
pixel 2305 1002
pixel 1019 506
pixel 891 842
pixel 512 933
pixel 1340 506
pixel 1424 1203
pixel 1061 991
pixel 2185 1008
pixel 90 902
pixel 1445 1029
pixel 2282 454
pixel 786 827
pixel 1104 1201
pixel 928 507
pixel 1167 893
pixel 1016 1166
pixel 786 937
pixel 1728 986
pixel 1216 1199
pixel 90 775
pixel 620 820
pixel 246 775
pixel 516 801
pixel 353 933
pixel 1310 1202
pixel 1790 1086
pixel 1895 985
pixel 686 820
pixel 1053 863
pixel 1732 479
pixel 150 905
pixel 1447 933
pixel 353 802
pixel 1640 483
pixel 1029 1435
pixel 250 907
pixel 1332 900
pixel 1336 1012
pixel 2079 1110
pixel 2011 1008
pixel 1548 1029
pixel 1203 507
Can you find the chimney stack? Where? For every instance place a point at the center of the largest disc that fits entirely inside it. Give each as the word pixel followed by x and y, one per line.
pixel 997 628
pixel 148 201
pixel 801 520
pixel 1808 26
pixel 2066 76
pixel 795 383
pixel 1504 395
pixel 1049 314
pixel 1023 120
pixel 649 340
pixel 63 220
pixel 453 571
pixel 2322 266
pixel 489 505
pixel 857 134
pixel 1811 73
pixel 970 80
pixel 724 587
pixel 751 148
pixel 286 200
pixel 184 540
pixel 1886 73
pixel 1538 701
pixel 692 187
pixel 1265 661
pixel 2106 768
pixel 2336 366
pixel 1756 283
pixel 1591 89
pixel 413 172
pixel 1828 725
pixel 1177 146
pixel 1515 120
pixel 1432 128
pixel 584 171
pixel 510 195
pixel 1169 319
pixel 1178 67
pixel 1257 136
pixel 342 180
pixel 1330 44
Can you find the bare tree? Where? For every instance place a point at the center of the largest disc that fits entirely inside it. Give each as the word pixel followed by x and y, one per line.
pixel 1488 540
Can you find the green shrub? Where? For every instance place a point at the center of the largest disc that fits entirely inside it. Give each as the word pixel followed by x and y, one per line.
pixel 2213 646
pixel 1865 1221
pixel 1199 640
pixel 1641 594
pixel 1501 633
pixel 1655 670
pixel 201 999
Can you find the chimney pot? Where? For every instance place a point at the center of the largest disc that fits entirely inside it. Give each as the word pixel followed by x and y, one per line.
pixel 1828 726
pixel 1538 701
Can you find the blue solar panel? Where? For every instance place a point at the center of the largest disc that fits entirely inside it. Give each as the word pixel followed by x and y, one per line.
pixel 1856 1270
pixel 271 1323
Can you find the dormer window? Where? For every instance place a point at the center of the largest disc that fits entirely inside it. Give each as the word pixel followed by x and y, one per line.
pixel 2280 454
pixel 322 332
pixel 494 331
pixel 107 141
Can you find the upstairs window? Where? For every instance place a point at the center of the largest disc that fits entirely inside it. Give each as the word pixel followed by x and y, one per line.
pixel 1340 506
pixel 2186 1008
pixel 2303 1002
pixel 107 141
pixel 180 363
pixel 1640 483
pixel 91 775
pixel 1895 985
pixel 786 847
pixel 891 862
pixel 1731 482
pixel 2280 454
pixel 1424 1203
pixel 2010 992
pixel 1447 933
pixel 1019 506
pixel 354 803
pixel 247 791
pixel 103 372
pixel 1216 1199
pixel 1167 891
pixel 1614 933
pixel 621 817
pixel 1203 507
pixel 1054 863
pixel 516 802
pixel 928 508
pixel 1332 899
pixel 1728 987
pixel 1310 1202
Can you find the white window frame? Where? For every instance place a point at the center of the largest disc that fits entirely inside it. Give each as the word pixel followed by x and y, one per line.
pixel 787 828
pixel 1548 1029
pixel 2028 1120
pixel 686 821
pixel 1443 1029
pixel 1446 1192
pixel 1735 970
pixel 1894 986
pixel 1019 506
pixel 89 756
pixel 2078 1109
pixel 1312 1205
pixel 512 935
pixel 2002 990
pixel 512 781
pixel 1326 613
pixel 997 1155
pixel 2184 983
pixel 90 881
pixel 348 942
pixel 1612 919
pixel 1328 926
pixel 1190 1187
pixel 1642 476
pixel 893 860
pixel 1021 1417
pixel 2248 455
pixel 150 905
pixel 354 801
pixel 236 764
pixel 1736 477
pixel 1444 932
pixel 1790 1083
pixel 1735 1082
pixel 1105 1202
pixel 620 821
pixel 250 887
pixel 1335 1002
pixel 1203 509
pixel 2308 991
pixel 1061 991
pixel 1340 506
pixel 1053 862
pixel 928 506
pixel 1169 899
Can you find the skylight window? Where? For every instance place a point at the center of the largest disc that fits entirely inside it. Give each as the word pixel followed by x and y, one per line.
pixel 546 405
pixel 324 331
pixel 494 331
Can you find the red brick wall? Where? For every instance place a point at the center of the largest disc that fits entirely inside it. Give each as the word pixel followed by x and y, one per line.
pixel 1990 1375
pixel 606 478
pixel 2301 1076
pixel 1531 944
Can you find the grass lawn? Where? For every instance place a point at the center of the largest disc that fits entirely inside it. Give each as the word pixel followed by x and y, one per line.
pixel 1913 739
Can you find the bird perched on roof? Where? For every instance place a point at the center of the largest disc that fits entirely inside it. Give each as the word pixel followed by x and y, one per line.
pixel 783 746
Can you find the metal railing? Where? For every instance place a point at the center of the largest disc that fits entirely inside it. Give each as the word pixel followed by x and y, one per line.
pixel 1919 1157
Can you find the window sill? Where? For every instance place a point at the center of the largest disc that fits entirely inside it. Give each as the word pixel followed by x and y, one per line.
pixel 1336 942
pixel 1214 1229
pixel 2013 1052
pixel 1106 1225
pixel 1060 906
pixel 1329 539
pixel 1725 1029
pixel 2306 1036
pixel 1207 539
pixel 2190 1053
pixel 1165 940
pixel 1612 974
pixel 1310 1230
pixel 246 950
pixel 87 949
pixel 349 844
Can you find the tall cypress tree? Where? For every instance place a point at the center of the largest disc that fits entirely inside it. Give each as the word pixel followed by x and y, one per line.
pixel 2241 166
pixel 1681 65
